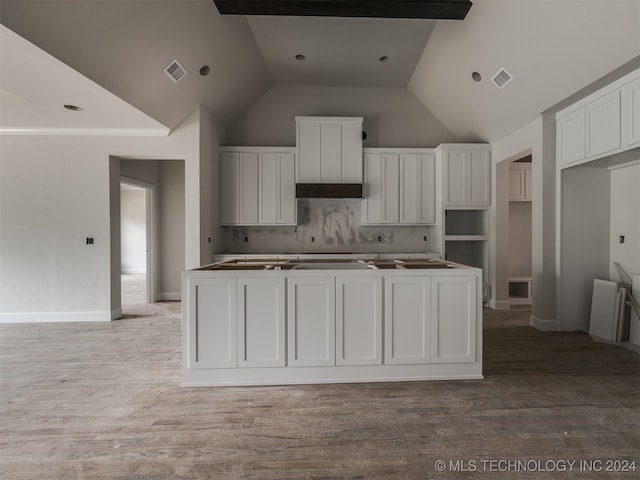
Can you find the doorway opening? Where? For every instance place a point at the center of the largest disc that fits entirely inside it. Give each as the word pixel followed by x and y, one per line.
pixel 520 232
pixel 136 242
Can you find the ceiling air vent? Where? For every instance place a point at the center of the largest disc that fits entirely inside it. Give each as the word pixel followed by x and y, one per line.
pixel 175 71
pixel 502 78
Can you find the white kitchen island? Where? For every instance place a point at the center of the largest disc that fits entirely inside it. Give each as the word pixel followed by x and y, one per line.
pixel 277 322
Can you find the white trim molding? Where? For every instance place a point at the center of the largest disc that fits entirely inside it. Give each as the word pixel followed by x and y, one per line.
pixel 169 297
pixel 499 304
pixel 544 325
pixel 52 317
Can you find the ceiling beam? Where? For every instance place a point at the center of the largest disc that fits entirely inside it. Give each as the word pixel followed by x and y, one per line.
pixel 426 9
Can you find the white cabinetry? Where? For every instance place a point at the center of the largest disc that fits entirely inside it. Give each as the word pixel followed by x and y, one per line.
pixel 329 149
pixel 211 313
pixel 571 144
pixel 311 321
pixel 631 114
pixel 466 170
pixel 381 189
pixel 341 326
pixel 257 186
pixel 261 322
pixel 453 319
pixel 399 187
pixel 406 319
pixel 358 320
pixel 417 189
pixel 520 184
pixel 604 123
pixel 239 188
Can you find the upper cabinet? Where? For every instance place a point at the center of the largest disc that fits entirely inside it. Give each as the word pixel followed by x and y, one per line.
pixel 520 184
pixel 631 114
pixel 329 149
pixel 399 187
pixel 257 186
pixel 466 175
pixel 604 123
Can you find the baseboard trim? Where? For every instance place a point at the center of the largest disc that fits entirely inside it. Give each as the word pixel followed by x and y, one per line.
pixel 133 271
pixel 544 325
pixel 52 317
pixel 169 297
pixel 499 304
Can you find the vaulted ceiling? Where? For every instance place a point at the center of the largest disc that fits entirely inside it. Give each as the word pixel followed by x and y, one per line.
pixel 551 48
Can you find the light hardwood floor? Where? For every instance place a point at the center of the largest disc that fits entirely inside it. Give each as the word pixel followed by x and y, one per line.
pixel 103 401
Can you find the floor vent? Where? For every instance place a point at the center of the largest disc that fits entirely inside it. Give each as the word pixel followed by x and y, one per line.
pixel 502 78
pixel 175 71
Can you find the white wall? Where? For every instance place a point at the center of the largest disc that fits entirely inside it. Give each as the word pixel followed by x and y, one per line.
pixel 212 239
pixel 133 233
pixel 172 229
pixel 625 219
pixel 584 250
pixel 393 117
pixel 57 190
pixel 538 140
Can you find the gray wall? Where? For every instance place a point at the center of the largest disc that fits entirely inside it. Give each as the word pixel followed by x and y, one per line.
pixel 393 117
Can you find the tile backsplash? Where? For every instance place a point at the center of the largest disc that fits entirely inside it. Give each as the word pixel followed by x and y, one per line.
pixel 327 226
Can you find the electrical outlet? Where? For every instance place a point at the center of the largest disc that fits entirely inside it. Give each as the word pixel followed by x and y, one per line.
pixel 246 239
pixel 379 238
pixel 621 239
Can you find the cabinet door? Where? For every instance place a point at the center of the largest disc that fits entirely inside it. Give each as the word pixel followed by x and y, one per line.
pixel 212 323
pixel 311 314
pixel 351 154
pixel 261 322
pixel 308 152
pixel 455 178
pixel 516 184
pixel 268 194
pixel 453 319
pixel 631 114
pixel 230 188
pixel 417 189
pixel 571 141
pixel 406 320
pixel 380 206
pixel 248 188
pixel 358 321
pixel 478 179
pixel 286 189
pixel 603 124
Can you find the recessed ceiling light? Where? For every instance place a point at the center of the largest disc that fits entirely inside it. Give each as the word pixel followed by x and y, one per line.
pixel 384 58
pixel 300 57
pixel 204 70
pixel 74 108
pixel 476 76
